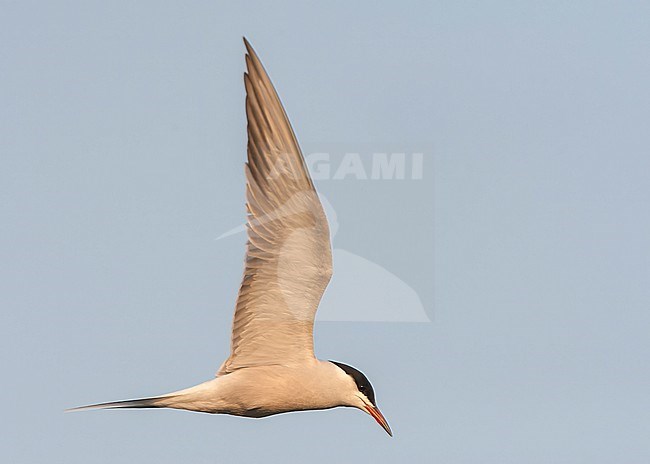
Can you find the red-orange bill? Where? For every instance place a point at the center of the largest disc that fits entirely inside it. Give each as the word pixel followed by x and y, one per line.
pixel 379 417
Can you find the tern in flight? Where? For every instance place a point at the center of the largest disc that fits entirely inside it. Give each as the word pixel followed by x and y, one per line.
pixel 272 368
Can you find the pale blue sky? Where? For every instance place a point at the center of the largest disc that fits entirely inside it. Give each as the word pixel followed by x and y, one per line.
pixel 122 138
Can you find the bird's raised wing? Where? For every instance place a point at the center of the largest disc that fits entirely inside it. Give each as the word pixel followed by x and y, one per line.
pixel 288 256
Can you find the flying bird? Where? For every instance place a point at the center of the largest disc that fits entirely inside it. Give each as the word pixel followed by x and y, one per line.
pixel 272 368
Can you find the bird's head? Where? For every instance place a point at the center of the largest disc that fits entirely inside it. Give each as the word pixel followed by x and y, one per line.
pixel 360 395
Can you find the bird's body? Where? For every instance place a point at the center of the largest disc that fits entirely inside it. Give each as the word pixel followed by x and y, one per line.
pixel 257 391
pixel 272 368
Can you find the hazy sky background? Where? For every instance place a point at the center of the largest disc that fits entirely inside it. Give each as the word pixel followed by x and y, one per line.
pixel 122 139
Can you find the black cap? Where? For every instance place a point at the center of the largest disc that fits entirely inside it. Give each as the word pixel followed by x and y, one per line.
pixel 363 384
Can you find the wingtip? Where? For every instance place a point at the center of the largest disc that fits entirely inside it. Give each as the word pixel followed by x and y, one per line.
pixel 247 44
pixel 91 407
pixel 80 408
